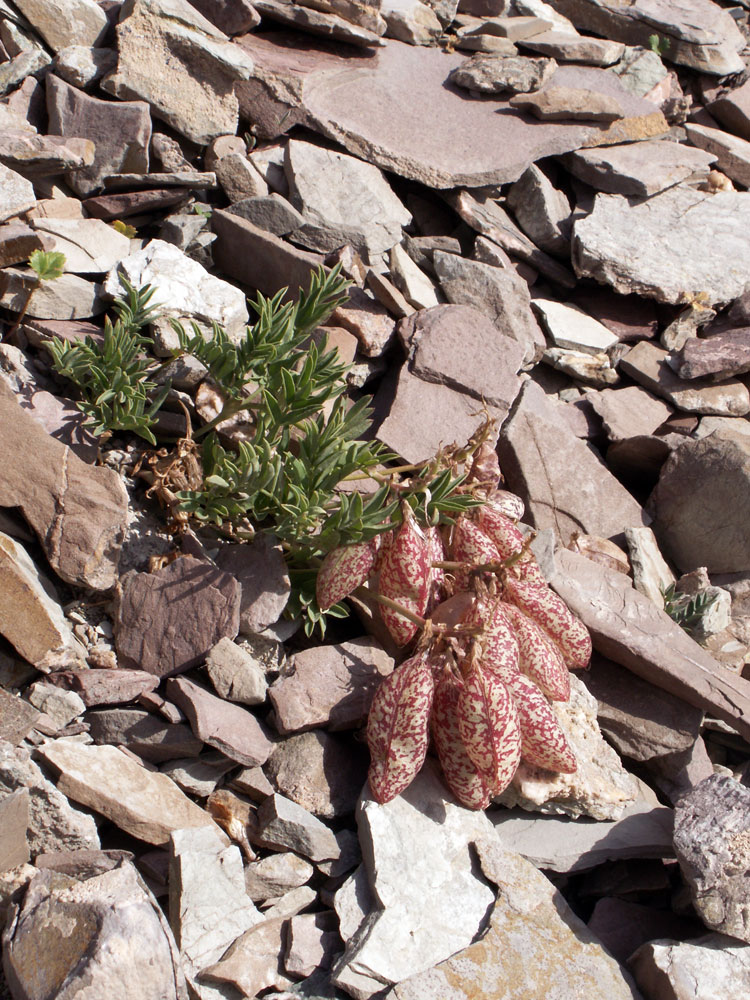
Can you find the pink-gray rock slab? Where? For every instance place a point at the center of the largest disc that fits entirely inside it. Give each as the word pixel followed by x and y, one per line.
pixel 555 103
pixel 421 417
pixel 325 23
pixel 697 34
pixel 14 820
pixel 631 630
pixel 537 451
pixel 329 686
pixel 647 364
pixel 629 317
pixel 701 504
pixel 639 169
pixel 732 109
pixel 574 48
pixel 17 717
pixel 144 734
pixel 105 686
pixel 657 247
pixel 629 411
pixel 719 356
pixel 260 569
pixel 259 259
pixel 233 17
pixel 732 153
pixel 286 825
pixel 120 206
pixel 18 242
pixel 167 621
pixel 367 319
pixel 120 131
pixel 376 106
pixel 222 724
pixel 312 943
pixel 447 340
pixel 77 511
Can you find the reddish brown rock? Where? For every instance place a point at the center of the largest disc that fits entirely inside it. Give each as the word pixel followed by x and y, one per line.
pixel 77 511
pixel 14 820
pixel 320 772
pixel 105 686
pixel 368 320
pixel 733 110
pixel 120 206
pixel 631 630
pixel 167 621
pixel 233 17
pixel 629 412
pixel 629 317
pixel 17 718
pixel 18 242
pixel 329 686
pixel 261 571
pixel 719 356
pixel 537 452
pixel 222 724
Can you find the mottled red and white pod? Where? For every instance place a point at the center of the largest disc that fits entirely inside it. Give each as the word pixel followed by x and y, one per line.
pixel 538 656
pixel 485 467
pixel 343 570
pixel 498 640
pixel 543 606
pixel 461 774
pixel 506 537
pixel 436 553
pixel 527 568
pixel 405 577
pixel 398 727
pixel 473 546
pixel 488 725
pixel 543 740
pixel 510 505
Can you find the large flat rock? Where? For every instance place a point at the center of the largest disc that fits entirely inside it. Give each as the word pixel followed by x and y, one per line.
pixel 658 247
pixel 377 106
pixel 630 629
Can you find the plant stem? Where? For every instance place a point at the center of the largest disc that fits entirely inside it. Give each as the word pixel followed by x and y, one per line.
pixel 19 318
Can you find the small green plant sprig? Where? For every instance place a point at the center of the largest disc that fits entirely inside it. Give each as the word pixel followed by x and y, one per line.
pixel 305 438
pixel 685 610
pixel 48 265
pixel 114 377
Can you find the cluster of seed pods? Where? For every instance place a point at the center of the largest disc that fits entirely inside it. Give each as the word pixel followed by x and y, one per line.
pixel 495 651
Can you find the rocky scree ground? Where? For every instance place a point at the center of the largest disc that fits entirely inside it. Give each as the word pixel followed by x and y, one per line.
pixel 543 212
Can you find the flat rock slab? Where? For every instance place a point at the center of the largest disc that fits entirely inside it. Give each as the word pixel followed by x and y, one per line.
pixel 80 22
pixel 78 511
pixel 732 153
pixel 537 450
pixel 31 618
pixel 535 946
pixel 17 718
pixel 430 900
pixel 562 844
pixel 90 246
pixel 286 825
pixel 67 297
pixel 658 248
pixel 167 621
pixel 330 685
pixel 639 169
pixel 262 572
pixel 702 504
pixel 719 356
pixel 222 724
pixel 148 735
pixel 105 686
pixel 630 629
pixel 712 840
pixel 629 411
pixel 648 364
pixel 376 107
pixel 572 328
pixel 91 934
pixel 697 34
pixel 146 804
pixel 14 820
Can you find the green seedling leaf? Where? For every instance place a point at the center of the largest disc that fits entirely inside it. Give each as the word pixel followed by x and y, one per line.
pixel 124 228
pixel 48 264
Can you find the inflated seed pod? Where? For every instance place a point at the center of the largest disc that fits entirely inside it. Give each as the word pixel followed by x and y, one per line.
pixel 488 726
pixel 538 656
pixel 543 740
pixel 405 577
pixel 460 773
pixel 498 640
pixel 508 503
pixel 527 568
pixel 343 570
pixel 543 606
pixel 398 727
pixel 506 537
pixel 471 545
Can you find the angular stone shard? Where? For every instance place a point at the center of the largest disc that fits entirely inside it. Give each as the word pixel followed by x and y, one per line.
pixel 571 48
pixel 196 96
pixel 143 733
pixel 376 105
pixel 537 450
pixel 14 819
pixel 284 824
pixel 712 843
pixel 17 717
pixel 696 33
pixel 97 933
pixel 640 169
pixel 67 297
pixel 310 18
pixel 78 21
pixel 145 804
pixel 30 615
pixel 77 511
pixel 532 932
pixel 715 966
pixel 624 245
pixel 167 621
pixel 629 629
pixel 90 246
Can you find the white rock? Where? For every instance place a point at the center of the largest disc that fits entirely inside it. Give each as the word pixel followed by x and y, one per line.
pixel 411 280
pixel 90 245
pixel 16 193
pixel 431 902
pixel 208 905
pixel 411 21
pixel 235 674
pixel 600 788
pixel 60 705
pixel 714 967
pixel 572 328
pixel 183 287
pixel 651 574
pixel 343 199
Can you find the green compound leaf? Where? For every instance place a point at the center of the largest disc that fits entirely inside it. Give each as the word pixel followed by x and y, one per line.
pixel 48 264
